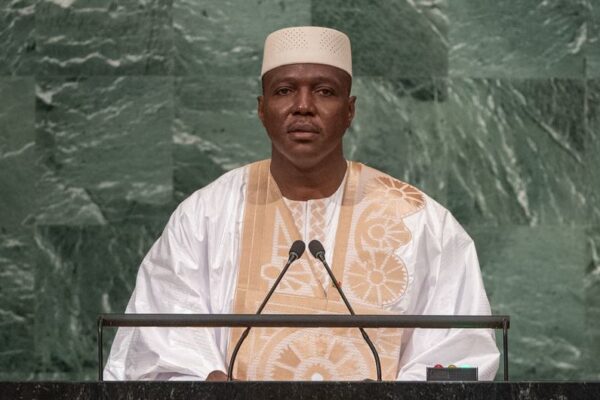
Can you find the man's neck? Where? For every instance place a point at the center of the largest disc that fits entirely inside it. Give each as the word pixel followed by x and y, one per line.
pixel 302 184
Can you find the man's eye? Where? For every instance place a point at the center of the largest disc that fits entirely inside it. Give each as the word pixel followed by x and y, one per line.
pixel 325 92
pixel 283 91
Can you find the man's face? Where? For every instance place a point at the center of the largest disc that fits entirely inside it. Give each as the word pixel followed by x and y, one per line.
pixel 306 109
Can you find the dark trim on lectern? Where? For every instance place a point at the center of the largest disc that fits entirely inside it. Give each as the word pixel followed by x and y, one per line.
pixel 582 390
pixel 303 321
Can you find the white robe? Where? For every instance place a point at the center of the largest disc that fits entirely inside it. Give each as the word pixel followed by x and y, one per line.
pixel 192 268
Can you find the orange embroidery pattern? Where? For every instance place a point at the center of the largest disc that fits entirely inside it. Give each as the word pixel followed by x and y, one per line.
pixel 378 278
pixel 380 232
pixel 299 280
pixel 370 230
pixel 377 275
pixel 408 198
pixel 315 354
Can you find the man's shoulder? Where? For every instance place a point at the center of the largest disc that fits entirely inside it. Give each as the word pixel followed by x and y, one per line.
pixel 409 199
pixel 217 193
pixel 227 180
pixel 382 188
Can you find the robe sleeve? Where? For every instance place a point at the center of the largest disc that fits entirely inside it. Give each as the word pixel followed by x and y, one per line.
pixel 457 290
pixel 173 278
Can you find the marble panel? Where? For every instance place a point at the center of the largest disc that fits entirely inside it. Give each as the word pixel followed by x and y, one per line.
pixel 592 277
pixel 517 151
pixel 593 43
pixel 17 38
pixel 81 272
pixel 17 296
pixel 592 304
pixel 226 38
pixel 17 116
pixel 517 39
pixel 107 143
pixel 396 130
pixel 18 176
pixel 104 37
pixel 17 156
pixel 216 129
pixel 536 275
pixel 592 109
pixel 391 38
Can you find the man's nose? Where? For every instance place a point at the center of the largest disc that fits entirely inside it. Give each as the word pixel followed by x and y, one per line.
pixel 304 102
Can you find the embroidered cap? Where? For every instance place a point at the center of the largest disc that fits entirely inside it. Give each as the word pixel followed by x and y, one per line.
pixel 307 44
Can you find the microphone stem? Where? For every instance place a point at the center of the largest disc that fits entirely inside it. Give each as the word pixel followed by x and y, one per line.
pixel 293 257
pixel 335 283
pixel 362 331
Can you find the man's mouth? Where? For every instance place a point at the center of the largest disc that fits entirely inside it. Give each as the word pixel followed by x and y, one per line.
pixel 302 127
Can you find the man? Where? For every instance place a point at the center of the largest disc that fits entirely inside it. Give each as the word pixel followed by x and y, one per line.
pixel 394 249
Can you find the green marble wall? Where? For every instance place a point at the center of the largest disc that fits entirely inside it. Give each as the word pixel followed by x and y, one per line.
pixel 113 111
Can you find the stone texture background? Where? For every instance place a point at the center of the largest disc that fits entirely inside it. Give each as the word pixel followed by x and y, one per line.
pixel 113 111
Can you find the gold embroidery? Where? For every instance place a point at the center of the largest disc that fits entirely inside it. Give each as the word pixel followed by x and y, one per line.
pixel 370 230
pixel 313 354
pixel 377 231
pixel 316 222
pixel 385 190
pixel 377 278
pixel 317 219
pixel 297 212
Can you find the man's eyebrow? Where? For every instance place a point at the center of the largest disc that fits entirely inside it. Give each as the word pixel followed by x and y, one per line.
pixel 336 81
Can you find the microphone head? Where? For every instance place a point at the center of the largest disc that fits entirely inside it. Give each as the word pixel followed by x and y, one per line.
pixel 297 248
pixel 316 249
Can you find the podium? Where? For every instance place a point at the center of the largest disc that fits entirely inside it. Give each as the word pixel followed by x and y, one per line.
pixel 304 321
pixel 198 390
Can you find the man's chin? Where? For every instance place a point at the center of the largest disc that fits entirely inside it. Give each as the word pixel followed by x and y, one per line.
pixel 306 160
pixel 305 155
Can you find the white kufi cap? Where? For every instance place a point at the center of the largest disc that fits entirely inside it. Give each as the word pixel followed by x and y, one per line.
pixel 307 44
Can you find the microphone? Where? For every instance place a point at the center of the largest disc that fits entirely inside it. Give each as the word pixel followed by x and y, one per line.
pixel 316 249
pixel 296 252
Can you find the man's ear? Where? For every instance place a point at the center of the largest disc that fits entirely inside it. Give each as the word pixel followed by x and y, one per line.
pixel 260 108
pixel 351 109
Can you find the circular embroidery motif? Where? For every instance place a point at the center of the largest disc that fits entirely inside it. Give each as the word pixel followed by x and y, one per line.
pixel 377 278
pixel 307 355
pixel 394 197
pixel 387 339
pixel 375 232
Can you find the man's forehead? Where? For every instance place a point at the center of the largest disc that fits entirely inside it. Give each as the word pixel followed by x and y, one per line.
pixel 308 72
